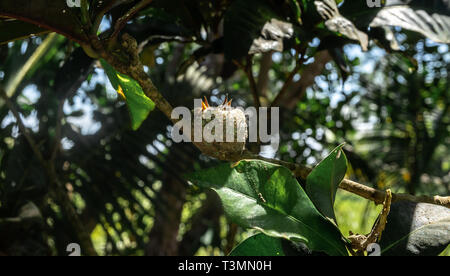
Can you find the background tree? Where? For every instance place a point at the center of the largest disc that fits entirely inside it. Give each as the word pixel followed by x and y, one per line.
pixel 72 168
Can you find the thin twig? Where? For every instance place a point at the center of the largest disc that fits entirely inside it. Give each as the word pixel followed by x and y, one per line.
pixel 13 84
pixel 360 243
pixel 58 132
pixel 99 17
pixel 121 22
pixel 299 62
pixel 85 18
pixel 251 79
pixel 135 70
pixel 231 238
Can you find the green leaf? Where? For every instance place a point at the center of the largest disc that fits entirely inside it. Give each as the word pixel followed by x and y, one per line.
pixel 323 182
pixel 11 30
pixel 431 18
pixel 434 25
pixel 252 26
pixel 49 14
pixel 335 22
pixel 138 103
pixel 267 197
pixel 259 245
pixel 416 229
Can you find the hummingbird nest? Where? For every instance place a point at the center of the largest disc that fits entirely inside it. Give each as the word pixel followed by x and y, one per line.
pixel 216 121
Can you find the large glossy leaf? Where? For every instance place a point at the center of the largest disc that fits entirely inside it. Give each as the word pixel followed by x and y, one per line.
pixel 138 103
pixel 48 14
pixel 323 183
pixel 251 26
pixel 266 197
pixel 428 17
pixel 259 245
pixel 337 23
pixel 11 29
pixel 416 230
pixel 262 245
pixel 440 6
pixel 432 25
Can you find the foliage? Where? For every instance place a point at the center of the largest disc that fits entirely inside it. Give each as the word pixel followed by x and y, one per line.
pixel 123 175
pixel 266 197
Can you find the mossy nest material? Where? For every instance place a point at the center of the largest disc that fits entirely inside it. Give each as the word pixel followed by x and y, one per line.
pixel 231 118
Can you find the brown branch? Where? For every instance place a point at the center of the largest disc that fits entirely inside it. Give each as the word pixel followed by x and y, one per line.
pixel 360 243
pixel 298 89
pixel 298 63
pixel 377 196
pixel 251 79
pixel 263 74
pixel 231 238
pixel 135 70
pixel 122 21
pixel 99 17
pixel 58 131
pixel 85 18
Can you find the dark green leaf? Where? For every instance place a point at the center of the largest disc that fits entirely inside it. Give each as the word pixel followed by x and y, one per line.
pixel 259 245
pixel 49 14
pixel 263 245
pixel 11 29
pixel 323 182
pixel 268 198
pixel 431 18
pixel 251 26
pixel 138 103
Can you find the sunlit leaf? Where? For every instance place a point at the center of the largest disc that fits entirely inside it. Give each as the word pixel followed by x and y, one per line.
pixel 432 25
pixel 48 14
pixel 138 103
pixel 268 198
pixel 323 183
pixel 337 23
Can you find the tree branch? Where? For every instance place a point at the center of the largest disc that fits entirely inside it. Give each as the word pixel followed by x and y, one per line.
pixel 121 22
pixel 377 196
pixel 251 79
pixel 13 84
pixel 310 72
pixel 298 63
pixel 360 243
pixel 99 17
pixel 136 71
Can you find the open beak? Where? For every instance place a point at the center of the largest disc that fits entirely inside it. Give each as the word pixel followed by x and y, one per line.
pixel 205 104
